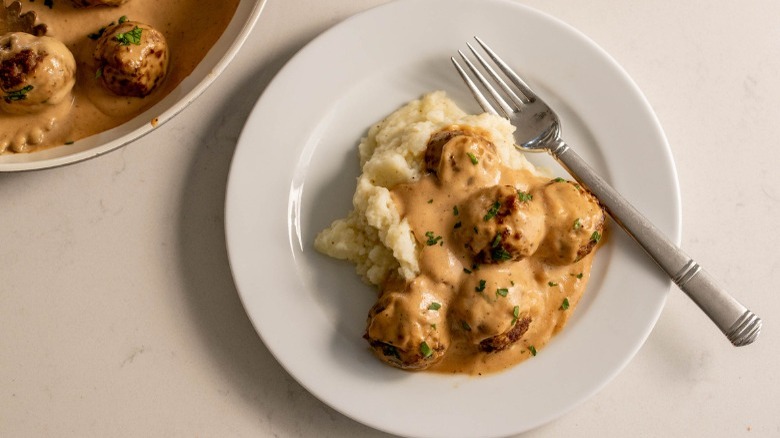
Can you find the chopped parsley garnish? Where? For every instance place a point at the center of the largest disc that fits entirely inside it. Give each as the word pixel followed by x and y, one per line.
pixel 524 197
pixel 496 241
pixel 579 275
pixel 515 314
pixel 458 224
pixel 455 210
pixel 430 201
pixel 577 224
pixel 532 349
pixel 552 284
pixel 500 254
pixel 502 291
pixel 481 286
pixel 131 37
pixel 565 304
pixel 465 326
pixel 69 142
pixel 473 158
pixel 434 306
pixel 433 326
pixel 425 349
pixel 99 73
pixel 492 211
pixel 467 270
pixel 559 179
pixel 432 239
pixel 596 236
pixel 122 19
pixel 17 95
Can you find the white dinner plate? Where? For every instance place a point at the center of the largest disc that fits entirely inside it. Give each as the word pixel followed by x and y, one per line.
pixel 294 172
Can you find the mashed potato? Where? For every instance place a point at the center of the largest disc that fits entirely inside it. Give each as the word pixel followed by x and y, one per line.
pixel 373 236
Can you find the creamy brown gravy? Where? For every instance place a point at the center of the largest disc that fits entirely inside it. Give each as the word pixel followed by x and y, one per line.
pixel 191 27
pixel 450 278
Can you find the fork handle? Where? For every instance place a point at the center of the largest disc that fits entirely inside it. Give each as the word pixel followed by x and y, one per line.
pixel 740 325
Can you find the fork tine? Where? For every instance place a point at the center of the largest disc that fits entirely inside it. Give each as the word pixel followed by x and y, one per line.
pixel 503 105
pixel 480 98
pixel 525 89
pixel 517 100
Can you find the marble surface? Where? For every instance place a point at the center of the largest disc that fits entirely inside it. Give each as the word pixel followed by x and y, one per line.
pixel 119 317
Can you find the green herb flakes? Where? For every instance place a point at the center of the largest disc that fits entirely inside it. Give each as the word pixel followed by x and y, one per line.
pixel 500 254
pixel 532 349
pixel 596 236
pixel 552 284
pixel 17 95
pixel 502 291
pixel 515 314
pixel 425 349
pixel 492 211
pixel 473 158
pixel 577 224
pixel 481 286
pixel 524 197
pixel 434 306
pixel 565 304
pixel 432 239
pixel 131 37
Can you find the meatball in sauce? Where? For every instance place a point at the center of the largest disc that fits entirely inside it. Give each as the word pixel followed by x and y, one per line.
pixel 37 75
pixel 132 58
pixel 504 254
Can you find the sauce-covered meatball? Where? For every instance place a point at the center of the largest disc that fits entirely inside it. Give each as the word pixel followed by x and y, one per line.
pixel 406 327
pixel 500 223
pixel 36 72
pixel 90 3
pixel 575 222
pixel 487 312
pixel 462 158
pixel 132 58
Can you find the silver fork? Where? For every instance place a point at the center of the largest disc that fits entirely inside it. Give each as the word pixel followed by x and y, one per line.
pixel 539 129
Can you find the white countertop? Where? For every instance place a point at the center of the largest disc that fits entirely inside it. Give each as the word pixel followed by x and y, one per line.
pixel 119 317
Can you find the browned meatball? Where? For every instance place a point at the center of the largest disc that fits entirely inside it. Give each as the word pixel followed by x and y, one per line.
pixel 132 58
pixel 462 158
pixel 35 72
pixel 489 311
pixel 499 224
pixel 506 339
pixel 406 327
pixel 90 3
pixel 575 222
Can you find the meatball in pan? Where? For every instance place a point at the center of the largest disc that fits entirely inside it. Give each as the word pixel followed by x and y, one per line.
pixel 35 72
pixel 132 58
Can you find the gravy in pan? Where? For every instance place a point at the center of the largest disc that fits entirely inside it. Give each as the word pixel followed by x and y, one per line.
pixel 505 259
pixel 190 27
